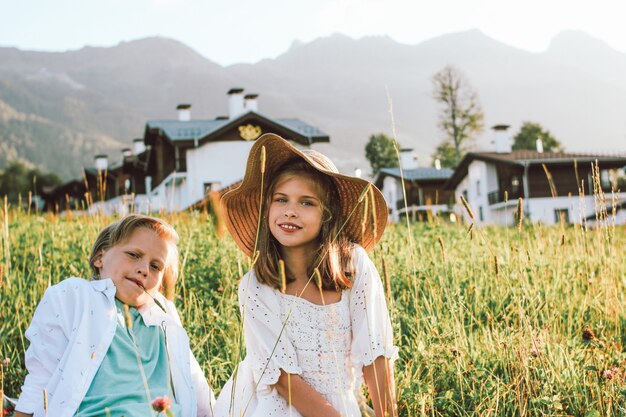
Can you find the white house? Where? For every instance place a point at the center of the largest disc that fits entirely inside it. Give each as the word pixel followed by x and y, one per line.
pixel 554 186
pixel 423 187
pixel 184 159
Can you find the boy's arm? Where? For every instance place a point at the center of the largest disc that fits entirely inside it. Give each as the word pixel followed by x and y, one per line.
pixel 205 399
pixel 381 386
pixel 303 397
pixel 48 342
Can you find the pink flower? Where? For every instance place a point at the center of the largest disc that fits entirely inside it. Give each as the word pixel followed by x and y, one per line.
pixel 161 404
pixel 6 361
pixel 608 374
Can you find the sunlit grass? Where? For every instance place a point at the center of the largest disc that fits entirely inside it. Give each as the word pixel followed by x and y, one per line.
pixel 489 323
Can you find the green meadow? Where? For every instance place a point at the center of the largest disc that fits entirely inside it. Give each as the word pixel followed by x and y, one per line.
pixel 492 321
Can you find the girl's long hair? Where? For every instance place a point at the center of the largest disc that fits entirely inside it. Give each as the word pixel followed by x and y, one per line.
pixel 334 256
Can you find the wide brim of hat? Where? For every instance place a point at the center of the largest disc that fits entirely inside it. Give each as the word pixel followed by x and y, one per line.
pixel 363 208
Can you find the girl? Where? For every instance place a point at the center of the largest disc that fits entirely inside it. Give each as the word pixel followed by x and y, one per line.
pixel 313 308
pixel 115 342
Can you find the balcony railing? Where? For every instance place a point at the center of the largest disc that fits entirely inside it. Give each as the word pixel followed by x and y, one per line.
pixel 497 196
pixel 494 197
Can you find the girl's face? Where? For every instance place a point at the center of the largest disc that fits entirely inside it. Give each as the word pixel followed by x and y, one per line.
pixel 295 213
pixel 135 264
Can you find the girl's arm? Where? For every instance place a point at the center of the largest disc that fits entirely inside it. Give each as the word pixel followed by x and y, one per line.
pixel 20 414
pixel 381 386
pixel 373 350
pixel 303 397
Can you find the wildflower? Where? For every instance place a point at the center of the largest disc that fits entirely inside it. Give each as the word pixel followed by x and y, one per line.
pixel 6 361
pixel 8 410
pixel 607 374
pixel 588 334
pixel 162 404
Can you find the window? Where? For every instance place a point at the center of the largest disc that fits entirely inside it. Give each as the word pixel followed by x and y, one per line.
pixel 212 186
pixel 480 213
pixel 561 215
pixel 612 179
pixel 478 188
pixel 605 179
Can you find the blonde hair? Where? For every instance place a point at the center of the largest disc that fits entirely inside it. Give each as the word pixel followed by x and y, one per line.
pixel 334 256
pixel 122 229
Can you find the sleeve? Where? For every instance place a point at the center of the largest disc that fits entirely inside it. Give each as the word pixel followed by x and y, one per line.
pixel 204 395
pixel 372 335
pixel 48 342
pixel 205 398
pixel 267 345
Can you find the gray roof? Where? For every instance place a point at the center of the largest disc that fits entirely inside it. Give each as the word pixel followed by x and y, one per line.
pixel 301 127
pixel 198 129
pixel 192 129
pixel 418 174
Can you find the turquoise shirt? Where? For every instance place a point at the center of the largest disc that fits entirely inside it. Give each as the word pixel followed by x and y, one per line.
pixel 118 384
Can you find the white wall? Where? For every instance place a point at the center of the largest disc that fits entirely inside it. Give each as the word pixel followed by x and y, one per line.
pixel 223 162
pixel 390 193
pixel 542 210
pixel 458 192
pixel 476 185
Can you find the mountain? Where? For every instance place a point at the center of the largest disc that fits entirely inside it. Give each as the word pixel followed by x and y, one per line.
pixel 59 109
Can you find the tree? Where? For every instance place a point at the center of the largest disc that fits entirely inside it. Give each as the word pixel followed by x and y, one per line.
pixel 381 152
pixel 18 180
pixel 446 154
pixel 527 137
pixel 461 116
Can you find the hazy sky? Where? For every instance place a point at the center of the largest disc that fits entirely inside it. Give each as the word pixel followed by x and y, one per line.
pixel 232 31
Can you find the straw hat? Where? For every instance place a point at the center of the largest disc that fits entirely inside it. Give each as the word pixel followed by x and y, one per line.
pixel 356 195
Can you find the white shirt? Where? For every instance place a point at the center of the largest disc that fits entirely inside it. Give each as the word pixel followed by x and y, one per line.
pixel 70 334
pixel 327 345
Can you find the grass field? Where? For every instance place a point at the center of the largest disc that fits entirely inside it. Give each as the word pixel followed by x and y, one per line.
pixel 490 322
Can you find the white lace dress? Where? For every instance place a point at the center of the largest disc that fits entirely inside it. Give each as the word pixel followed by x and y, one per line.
pixel 326 345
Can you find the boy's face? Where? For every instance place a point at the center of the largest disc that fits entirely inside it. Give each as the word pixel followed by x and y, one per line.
pixel 135 264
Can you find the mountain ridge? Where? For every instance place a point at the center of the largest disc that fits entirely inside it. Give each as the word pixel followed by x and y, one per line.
pixel 344 86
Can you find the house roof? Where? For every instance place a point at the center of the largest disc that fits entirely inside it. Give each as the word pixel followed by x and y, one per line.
pixel 527 158
pixel 417 174
pixel 202 130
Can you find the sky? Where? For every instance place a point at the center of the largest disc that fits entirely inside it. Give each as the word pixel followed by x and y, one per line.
pixel 246 31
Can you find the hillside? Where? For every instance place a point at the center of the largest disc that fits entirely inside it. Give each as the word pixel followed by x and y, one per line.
pixel 59 109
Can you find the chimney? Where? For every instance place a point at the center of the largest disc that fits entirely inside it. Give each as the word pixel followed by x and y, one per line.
pixel 437 163
pixel 235 102
pixel 184 112
pixel 408 158
pixel 126 152
pixel 138 146
pixel 539 144
pixel 101 162
pixel 250 102
pixel 502 139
